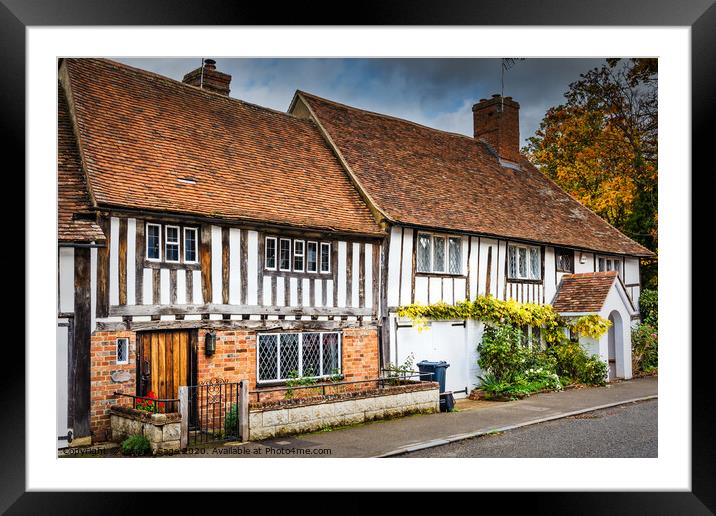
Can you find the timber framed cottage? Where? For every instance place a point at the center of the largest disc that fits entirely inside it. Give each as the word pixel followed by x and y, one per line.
pixel 184 211
pixel 293 237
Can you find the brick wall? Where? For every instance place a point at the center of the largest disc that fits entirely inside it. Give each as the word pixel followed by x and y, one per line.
pixel 234 360
pixel 103 358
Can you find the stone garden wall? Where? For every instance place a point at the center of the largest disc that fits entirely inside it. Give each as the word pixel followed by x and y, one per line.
pixel 162 430
pixel 290 416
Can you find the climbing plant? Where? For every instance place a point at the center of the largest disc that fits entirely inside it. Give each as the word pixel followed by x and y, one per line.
pixel 491 310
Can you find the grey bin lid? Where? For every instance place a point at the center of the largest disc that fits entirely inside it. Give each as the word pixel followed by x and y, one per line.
pixel 434 364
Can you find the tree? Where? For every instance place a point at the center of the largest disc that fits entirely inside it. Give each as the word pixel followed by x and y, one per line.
pixel 601 147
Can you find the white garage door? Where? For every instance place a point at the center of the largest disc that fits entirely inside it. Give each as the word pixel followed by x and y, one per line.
pixel 443 341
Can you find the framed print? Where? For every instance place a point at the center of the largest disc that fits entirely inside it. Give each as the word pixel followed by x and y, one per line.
pixel 262 239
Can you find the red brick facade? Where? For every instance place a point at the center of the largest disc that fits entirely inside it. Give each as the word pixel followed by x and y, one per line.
pixel 233 360
pixel 103 358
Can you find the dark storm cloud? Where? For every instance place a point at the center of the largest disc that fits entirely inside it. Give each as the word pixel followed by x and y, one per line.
pixel 435 92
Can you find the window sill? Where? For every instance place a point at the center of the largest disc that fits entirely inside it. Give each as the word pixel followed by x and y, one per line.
pixel 440 275
pixel 525 281
pixel 151 264
pixel 320 380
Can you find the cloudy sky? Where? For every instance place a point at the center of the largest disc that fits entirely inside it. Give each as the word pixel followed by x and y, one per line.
pixel 434 92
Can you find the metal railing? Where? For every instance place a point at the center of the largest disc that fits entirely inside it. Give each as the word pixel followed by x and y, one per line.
pixel 213 412
pixel 332 388
pixel 152 404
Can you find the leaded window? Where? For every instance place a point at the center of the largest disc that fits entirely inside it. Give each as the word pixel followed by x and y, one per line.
pixel 282 356
pixel 524 262
pixel 564 260
pixel 424 252
pixel 289 364
pixel 438 254
pixel 123 351
pixel 512 257
pixel 268 357
pixel 455 255
pixel 534 263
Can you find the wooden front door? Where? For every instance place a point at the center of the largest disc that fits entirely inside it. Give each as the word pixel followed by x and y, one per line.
pixel 166 361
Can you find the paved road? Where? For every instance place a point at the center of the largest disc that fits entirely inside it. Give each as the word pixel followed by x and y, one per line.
pixel 624 431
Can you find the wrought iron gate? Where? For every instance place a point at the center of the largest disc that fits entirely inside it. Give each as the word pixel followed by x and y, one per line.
pixel 214 411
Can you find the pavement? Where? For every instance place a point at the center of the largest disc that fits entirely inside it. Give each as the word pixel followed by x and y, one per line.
pixel 472 419
pixel 632 431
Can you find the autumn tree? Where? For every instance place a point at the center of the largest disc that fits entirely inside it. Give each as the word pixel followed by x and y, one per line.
pixel 601 147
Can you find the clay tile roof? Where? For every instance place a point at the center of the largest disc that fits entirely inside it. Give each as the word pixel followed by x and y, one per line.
pixel 584 292
pixel 73 197
pixel 425 177
pixel 141 134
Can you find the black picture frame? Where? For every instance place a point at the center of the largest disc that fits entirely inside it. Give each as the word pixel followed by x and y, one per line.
pixel 700 15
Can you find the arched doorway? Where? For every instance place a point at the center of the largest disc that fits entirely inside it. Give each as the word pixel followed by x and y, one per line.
pixel 615 346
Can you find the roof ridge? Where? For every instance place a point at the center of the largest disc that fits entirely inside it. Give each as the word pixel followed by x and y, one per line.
pixel 175 82
pixel 392 117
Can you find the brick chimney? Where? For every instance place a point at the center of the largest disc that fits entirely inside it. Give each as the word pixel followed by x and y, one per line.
pixel 208 78
pixel 497 121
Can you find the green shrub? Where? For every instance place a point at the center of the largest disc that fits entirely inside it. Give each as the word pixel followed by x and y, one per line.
pixel 136 445
pixel 594 371
pixel 501 352
pixel 492 386
pixel 231 422
pixel 649 307
pixel 645 348
pixel 569 359
pixel 573 364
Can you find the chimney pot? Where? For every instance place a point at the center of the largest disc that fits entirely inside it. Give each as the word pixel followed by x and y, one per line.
pixel 497 121
pixel 208 78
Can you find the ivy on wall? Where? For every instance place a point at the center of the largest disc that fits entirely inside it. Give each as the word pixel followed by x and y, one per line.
pixel 491 310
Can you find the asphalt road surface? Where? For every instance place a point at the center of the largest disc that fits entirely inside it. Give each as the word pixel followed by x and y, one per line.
pixel 623 431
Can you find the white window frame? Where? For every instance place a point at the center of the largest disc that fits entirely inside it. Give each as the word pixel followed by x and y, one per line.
pixel 167 242
pixel 616 264
pixel 196 245
pixel 446 237
pixel 320 258
pixel 259 381
pixel 445 257
pixel 301 255
pixel 290 254
pixel 146 242
pixel 275 250
pixel 125 341
pixel 528 266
